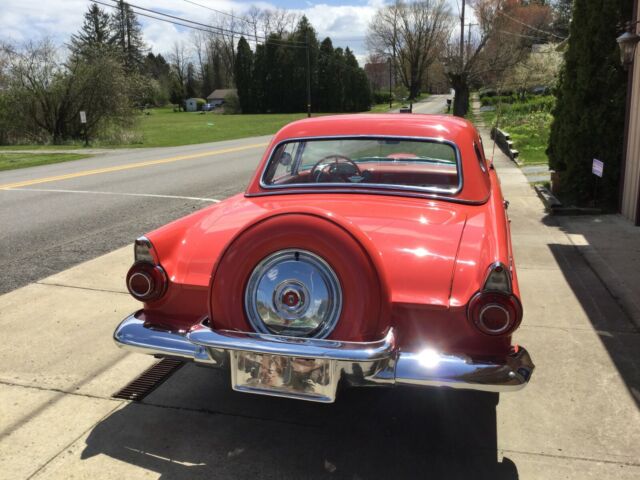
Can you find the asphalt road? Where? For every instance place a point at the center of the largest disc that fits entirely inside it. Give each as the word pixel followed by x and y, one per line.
pixel 55 216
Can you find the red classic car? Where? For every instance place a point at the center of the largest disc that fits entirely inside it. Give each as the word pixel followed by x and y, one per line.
pixel 367 250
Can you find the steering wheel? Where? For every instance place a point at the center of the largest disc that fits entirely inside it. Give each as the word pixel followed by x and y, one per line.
pixel 331 165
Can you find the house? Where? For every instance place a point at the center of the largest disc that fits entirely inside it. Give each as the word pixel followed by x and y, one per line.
pixel 630 180
pixel 191 104
pixel 216 98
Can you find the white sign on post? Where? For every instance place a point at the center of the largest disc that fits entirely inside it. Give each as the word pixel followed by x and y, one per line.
pixel 597 167
pixel 83 117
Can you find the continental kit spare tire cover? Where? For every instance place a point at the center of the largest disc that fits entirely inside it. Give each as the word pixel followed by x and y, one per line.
pixel 364 306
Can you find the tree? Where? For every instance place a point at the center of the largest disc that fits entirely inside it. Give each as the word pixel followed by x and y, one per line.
pixel 304 34
pixel 243 76
pixel 562 17
pixel 128 36
pixel 96 36
pixel 329 89
pixel 589 114
pixel 506 31
pixel 47 94
pixel 357 94
pixel 191 83
pixel 412 34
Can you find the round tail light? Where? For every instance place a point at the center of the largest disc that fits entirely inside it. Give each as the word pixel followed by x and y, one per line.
pixel 495 313
pixel 146 282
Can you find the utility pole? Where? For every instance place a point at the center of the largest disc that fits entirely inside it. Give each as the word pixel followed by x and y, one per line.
pixel 469 25
pixel 462 37
pixel 308 79
pixel 390 88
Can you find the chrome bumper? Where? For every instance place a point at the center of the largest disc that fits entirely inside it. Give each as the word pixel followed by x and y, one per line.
pixel 359 363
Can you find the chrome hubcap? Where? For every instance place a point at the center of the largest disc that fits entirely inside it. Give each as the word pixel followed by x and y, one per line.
pixel 294 293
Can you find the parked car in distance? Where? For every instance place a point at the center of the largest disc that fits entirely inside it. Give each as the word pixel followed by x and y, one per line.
pixel 367 250
pixel 207 107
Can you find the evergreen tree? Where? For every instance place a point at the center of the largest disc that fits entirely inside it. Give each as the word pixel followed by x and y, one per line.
pixel 207 85
pixel 328 88
pixel 243 75
pixel 258 80
pixel 95 37
pixel 191 84
pixel 156 67
pixel 304 34
pixel 340 71
pixel 128 37
pixel 589 113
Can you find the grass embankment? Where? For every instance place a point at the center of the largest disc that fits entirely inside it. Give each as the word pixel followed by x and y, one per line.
pixel 11 161
pixel 528 122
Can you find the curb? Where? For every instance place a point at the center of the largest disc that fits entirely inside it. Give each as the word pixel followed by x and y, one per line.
pixel 555 207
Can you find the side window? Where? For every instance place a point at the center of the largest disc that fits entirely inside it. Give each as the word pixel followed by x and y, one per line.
pixel 483 165
pixel 284 162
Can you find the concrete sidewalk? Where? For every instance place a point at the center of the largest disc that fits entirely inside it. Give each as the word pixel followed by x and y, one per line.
pixel 577 419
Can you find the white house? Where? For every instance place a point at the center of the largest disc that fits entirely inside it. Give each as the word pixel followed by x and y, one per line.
pixel 191 105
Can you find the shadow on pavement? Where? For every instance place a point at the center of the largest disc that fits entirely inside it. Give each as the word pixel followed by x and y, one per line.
pixel 612 325
pixel 195 426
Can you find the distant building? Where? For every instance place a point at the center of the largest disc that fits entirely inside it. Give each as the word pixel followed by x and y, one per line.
pixel 378 75
pixel 191 105
pixel 216 98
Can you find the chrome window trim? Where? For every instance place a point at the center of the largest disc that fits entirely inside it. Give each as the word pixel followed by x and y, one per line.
pixel 421 195
pixel 370 186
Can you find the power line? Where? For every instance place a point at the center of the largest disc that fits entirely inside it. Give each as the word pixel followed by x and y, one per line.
pixel 210 28
pixel 220 11
pixel 529 26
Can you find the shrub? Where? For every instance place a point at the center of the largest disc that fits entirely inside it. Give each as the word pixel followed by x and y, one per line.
pixel 382 97
pixel 200 102
pixel 231 104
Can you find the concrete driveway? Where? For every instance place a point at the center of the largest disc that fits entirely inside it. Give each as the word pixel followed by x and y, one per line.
pixel 578 418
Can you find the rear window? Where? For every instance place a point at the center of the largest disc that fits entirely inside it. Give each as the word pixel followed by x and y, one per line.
pixel 365 162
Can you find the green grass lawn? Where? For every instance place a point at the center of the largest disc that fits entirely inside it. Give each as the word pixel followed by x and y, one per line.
pixel 10 161
pixel 529 131
pixel 384 107
pixel 164 127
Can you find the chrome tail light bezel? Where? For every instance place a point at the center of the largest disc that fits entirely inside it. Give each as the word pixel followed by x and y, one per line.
pixel 497 293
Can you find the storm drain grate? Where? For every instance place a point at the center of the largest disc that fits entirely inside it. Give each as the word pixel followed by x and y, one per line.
pixel 149 380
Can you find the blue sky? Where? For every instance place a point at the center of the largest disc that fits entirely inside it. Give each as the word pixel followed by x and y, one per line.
pixel 345 21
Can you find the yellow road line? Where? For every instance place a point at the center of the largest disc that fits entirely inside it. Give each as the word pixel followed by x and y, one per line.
pixel 117 168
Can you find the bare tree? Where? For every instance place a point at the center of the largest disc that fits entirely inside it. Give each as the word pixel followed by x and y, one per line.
pixel 179 61
pixel 412 34
pixel 505 34
pixel 279 21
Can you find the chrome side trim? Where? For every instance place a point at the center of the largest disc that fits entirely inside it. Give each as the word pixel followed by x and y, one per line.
pixel 357 363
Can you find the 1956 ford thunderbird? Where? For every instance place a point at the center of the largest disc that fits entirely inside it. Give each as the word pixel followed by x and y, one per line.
pixel 367 250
